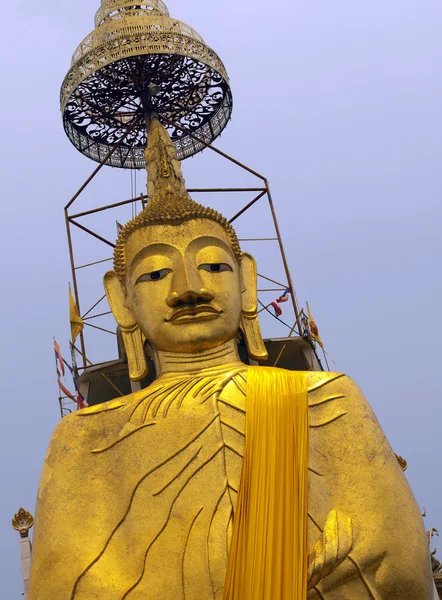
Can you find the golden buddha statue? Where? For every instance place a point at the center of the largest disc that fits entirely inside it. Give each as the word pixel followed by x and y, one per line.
pixel 219 481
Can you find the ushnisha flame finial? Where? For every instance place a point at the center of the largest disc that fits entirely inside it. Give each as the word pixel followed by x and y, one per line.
pixel 169 203
pixel 22 522
pixel 164 174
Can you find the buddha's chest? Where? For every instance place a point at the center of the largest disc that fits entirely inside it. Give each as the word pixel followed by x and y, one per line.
pixel 182 459
pixel 201 422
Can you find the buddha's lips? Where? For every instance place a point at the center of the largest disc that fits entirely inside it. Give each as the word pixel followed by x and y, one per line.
pixel 200 311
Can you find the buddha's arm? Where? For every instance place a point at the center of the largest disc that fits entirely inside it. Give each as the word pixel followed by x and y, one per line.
pixel 53 554
pixel 361 479
pixel 71 512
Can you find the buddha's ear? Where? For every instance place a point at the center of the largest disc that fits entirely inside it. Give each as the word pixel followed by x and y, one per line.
pixel 249 277
pixel 132 336
pixel 116 296
pixel 249 309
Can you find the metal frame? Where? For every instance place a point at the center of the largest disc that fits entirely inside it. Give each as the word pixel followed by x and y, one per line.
pixel 261 191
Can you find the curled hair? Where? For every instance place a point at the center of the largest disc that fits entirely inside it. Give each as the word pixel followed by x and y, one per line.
pixel 170 209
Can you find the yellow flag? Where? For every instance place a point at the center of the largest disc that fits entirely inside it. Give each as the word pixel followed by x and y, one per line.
pixel 77 324
pixel 314 331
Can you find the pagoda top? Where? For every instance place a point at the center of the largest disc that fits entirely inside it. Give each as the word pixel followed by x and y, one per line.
pixel 139 61
pixel 116 9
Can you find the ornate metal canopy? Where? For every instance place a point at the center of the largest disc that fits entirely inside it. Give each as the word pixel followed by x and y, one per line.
pixel 138 60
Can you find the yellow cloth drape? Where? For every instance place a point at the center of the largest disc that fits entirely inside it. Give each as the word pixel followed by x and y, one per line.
pixel 268 554
pixel 77 324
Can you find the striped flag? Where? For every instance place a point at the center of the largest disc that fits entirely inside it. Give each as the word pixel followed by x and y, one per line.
pixel 276 308
pixel 280 300
pixel 284 297
pixel 79 398
pixel 60 363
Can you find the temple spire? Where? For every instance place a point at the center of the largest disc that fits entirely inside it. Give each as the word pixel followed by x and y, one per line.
pixel 164 174
pixel 112 10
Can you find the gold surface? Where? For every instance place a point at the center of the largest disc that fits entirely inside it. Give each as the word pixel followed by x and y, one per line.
pixel 169 203
pixel 138 496
pixel 140 491
pixel 182 259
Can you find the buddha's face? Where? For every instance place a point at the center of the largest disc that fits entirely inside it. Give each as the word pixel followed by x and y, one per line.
pixel 183 285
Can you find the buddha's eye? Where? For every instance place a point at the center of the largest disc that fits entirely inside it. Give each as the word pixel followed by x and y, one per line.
pixel 154 276
pixel 215 267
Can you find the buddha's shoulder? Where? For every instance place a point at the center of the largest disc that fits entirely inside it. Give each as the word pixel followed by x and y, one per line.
pixel 325 382
pixel 95 420
pixel 316 380
pixel 322 386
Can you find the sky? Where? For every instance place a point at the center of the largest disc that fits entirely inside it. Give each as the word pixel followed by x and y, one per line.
pixel 338 104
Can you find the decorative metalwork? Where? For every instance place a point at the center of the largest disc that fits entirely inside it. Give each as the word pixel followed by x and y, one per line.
pixel 22 522
pixel 117 9
pixel 137 61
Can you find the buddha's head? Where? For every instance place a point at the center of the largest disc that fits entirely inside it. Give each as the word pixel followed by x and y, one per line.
pixel 180 279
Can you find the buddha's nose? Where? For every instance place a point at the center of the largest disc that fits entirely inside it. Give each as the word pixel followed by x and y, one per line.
pixel 190 297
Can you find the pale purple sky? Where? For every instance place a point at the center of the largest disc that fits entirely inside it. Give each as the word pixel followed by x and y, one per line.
pixel 339 105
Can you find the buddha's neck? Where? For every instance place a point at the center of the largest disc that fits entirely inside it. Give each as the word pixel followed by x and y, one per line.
pixel 175 362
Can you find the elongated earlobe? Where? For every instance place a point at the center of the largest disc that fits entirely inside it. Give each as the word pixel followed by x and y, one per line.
pixel 136 358
pixel 249 309
pixel 133 338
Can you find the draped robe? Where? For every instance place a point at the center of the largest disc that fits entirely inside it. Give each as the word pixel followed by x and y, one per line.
pixel 138 496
